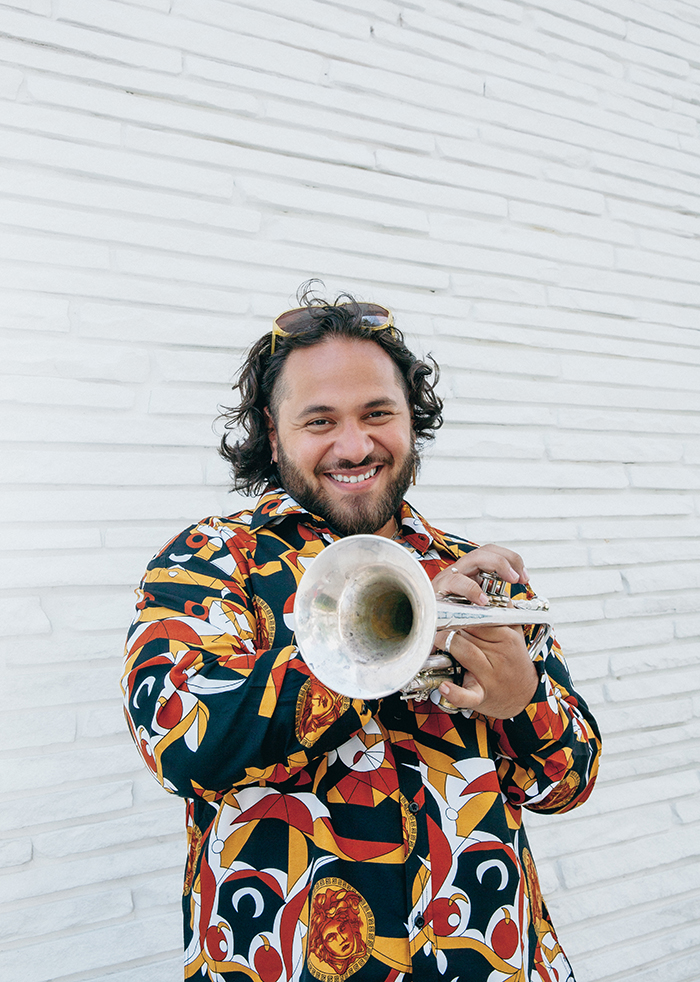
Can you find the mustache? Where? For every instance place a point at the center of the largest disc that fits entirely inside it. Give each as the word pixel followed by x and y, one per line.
pixel 346 465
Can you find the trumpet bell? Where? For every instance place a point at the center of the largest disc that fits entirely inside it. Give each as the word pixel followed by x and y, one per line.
pixel 365 618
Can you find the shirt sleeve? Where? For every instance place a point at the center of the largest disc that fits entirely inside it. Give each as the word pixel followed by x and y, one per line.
pixel 209 703
pixel 549 752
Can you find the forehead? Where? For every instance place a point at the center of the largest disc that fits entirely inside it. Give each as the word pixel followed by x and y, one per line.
pixel 337 371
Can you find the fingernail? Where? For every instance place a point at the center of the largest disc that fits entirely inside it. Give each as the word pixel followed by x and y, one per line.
pixel 526 575
pixel 445 689
pixel 483 599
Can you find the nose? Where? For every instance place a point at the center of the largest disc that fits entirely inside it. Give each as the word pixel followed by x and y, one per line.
pixel 353 442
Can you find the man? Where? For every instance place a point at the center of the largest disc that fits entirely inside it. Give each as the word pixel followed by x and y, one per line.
pixel 332 837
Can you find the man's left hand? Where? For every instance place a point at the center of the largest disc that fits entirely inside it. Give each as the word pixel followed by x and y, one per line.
pixel 499 677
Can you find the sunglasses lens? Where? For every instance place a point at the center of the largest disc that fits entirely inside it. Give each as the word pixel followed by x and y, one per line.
pixel 294 320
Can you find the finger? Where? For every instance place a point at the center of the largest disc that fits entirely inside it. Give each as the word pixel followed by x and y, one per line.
pixel 469 695
pixel 488 561
pixel 462 585
pixel 515 561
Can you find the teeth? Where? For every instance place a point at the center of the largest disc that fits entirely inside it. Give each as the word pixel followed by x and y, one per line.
pixel 354 478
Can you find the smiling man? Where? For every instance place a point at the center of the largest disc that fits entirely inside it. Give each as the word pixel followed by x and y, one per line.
pixel 332 837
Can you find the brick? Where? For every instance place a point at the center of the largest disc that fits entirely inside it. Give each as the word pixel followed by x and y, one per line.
pixel 635 688
pixel 44 880
pixel 618 634
pixel 687 626
pixel 163 971
pixel 673 968
pixel 97 723
pixel 583 506
pixel 64 806
pixel 114 163
pixel 100 683
pixel 177 33
pixel 579 582
pixel 628 926
pixel 58 392
pixel 102 611
pixel 645 605
pixel 611 447
pixel 78 569
pixel 560 27
pixel 621 895
pixel 131 231
pixel 665 713
pixel 22 616
pixel 470 473
pixel 73 427
pixel 36 729
pixel 67 647
pixel 107 834
pixel 76 467
pixel 54 34
pixel 28 311
pixel 577 834
pixel 688 810
pixel 10 82
pixel 157 892
pixel 665 477
pixel 92 283
pixel 55 252
pixel 58 356
pixel 654 763
pixel 651 550
pixel 308 27
pixel 646 579
pixel 510 185
pixel 195 329
pixel 107 196
pixel 661 41
pixel 15 852
pixel 142 504
pixel 54 121
pixel 143 108
pixel 621 743
pixel 627 422
pixel 640 953
pixel 66 914
pixel 188 401
pixel 53 769
pixel 384 215
pixel 93 949
pixel 621 860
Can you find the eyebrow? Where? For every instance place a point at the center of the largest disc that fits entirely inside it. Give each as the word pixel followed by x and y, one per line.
pixel 318 410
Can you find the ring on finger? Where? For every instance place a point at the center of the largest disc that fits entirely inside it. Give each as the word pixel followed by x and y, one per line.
pixel 448 642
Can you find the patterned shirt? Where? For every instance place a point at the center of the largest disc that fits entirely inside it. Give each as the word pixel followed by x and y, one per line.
pixel 332 837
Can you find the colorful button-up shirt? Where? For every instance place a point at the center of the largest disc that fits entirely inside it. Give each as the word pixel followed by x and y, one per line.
pixel 332 837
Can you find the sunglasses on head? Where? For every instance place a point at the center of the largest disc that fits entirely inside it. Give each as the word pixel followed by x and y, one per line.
pixel 373 316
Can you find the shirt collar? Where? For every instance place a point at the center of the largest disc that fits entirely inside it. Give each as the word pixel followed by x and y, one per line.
pixel 275 504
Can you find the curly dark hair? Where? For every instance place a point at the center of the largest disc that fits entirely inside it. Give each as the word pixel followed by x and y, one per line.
pixel 250 457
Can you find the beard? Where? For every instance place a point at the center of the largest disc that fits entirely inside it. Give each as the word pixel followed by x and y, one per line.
pixel 358 515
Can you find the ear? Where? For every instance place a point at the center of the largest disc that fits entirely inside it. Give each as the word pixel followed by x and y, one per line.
pixel 271 434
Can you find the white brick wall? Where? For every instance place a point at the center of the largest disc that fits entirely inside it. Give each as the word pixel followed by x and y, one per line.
pixel 519 182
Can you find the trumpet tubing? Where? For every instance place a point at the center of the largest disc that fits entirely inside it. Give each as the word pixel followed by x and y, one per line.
pixel 366 614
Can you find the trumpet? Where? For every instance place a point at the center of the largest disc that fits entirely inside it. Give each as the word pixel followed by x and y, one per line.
pixel 365 617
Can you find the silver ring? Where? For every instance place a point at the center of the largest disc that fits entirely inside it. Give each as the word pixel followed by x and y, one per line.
pixel 448 642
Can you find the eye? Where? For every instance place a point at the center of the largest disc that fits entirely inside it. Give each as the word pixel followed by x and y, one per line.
pixel 321 421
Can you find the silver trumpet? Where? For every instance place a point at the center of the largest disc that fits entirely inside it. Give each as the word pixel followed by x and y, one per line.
pixel 366 614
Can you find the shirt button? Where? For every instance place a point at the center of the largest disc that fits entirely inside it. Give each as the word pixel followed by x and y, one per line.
pixel 420 921
pixel 414 807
